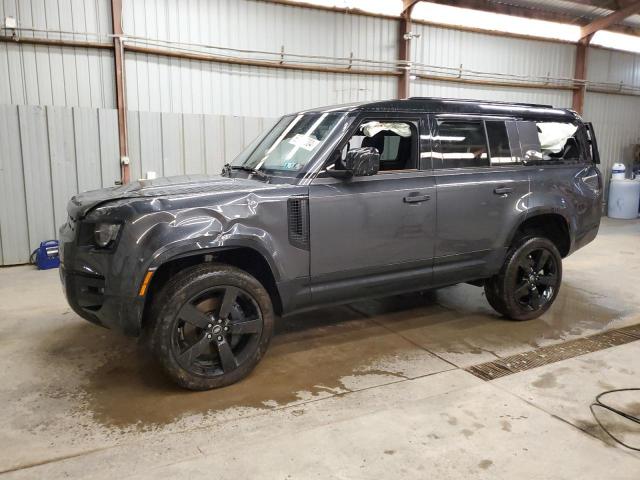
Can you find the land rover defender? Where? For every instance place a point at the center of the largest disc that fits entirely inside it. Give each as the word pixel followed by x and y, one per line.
pixel 328 206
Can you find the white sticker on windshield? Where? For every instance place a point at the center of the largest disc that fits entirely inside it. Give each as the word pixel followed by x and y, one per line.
pixel 304 141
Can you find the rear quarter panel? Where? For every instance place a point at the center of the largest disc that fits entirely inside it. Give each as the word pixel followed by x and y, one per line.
pixel 574 192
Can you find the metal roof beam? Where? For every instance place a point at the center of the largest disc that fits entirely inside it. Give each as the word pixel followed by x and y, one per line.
pixel 609 20
pixel 407 7
pixel 539 13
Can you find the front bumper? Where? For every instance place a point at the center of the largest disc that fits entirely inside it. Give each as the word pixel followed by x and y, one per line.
pixel 100 287
pixel 87 297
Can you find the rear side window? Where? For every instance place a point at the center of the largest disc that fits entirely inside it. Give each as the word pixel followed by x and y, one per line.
pixel 560 142
pixel 500 148
pixel 477 143
pixel 462 143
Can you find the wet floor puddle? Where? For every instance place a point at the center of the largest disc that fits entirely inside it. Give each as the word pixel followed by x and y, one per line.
pixel 457 321
pixel 334 351
pixel 319 354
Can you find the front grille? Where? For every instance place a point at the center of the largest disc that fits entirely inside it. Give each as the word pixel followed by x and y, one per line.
pixel 298 220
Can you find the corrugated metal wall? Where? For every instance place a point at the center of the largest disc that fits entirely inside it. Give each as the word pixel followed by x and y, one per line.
pixel 616 119
pixel 51 153
pixel 42 75
pixel 481 52
pixel 174 85
pixel 175 144
pixel 257 25
pixel 189 116
pixel 491 53
pixel 92 16
pixel 430 88
pixel 611 66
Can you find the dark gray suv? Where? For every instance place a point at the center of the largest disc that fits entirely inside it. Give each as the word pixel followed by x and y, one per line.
pixel 329 206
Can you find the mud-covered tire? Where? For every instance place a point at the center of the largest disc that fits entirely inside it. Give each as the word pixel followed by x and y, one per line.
pixel 529 280
pixel 493 296
pixel 203 338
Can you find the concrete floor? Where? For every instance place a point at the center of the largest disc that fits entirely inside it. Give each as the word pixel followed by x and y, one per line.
pixel 374 388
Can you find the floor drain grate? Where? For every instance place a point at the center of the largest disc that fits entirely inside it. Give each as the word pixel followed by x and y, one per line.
pixel 554 353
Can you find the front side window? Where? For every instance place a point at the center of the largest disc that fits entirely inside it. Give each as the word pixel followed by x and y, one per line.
pixel 290 145
pixel 395 141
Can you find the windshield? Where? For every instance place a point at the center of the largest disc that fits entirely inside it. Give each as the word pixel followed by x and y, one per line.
pixel 290 144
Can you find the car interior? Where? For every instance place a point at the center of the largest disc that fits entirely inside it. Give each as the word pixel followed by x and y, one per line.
pixel 396 142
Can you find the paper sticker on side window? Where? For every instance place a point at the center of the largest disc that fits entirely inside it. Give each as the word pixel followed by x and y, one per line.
pixel 304 141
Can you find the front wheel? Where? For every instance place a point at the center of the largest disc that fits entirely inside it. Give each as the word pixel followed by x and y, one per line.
pixel 529 280
pixel 213 324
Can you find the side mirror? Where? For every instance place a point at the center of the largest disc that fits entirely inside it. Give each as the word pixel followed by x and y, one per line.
pixel 532 156
pixel 359 162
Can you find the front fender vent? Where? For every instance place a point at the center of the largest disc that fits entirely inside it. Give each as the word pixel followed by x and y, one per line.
pixel 298 220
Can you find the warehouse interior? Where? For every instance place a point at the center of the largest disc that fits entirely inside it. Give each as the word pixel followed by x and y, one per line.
pixel 101 93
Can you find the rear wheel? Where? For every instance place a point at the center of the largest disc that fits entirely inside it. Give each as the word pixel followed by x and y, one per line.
pixel 213 324
pixel 529 280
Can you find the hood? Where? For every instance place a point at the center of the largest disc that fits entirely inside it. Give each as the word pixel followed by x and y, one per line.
pixel 80 204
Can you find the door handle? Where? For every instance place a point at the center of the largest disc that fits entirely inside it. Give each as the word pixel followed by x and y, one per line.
pixel 502 190
pixel 416 198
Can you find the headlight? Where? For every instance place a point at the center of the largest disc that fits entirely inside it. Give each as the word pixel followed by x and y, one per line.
pixel 105 233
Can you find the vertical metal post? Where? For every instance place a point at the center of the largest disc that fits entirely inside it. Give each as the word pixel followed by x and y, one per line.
pixel 121 101
pixel 404 53
pixel 404 49
pixel 582 50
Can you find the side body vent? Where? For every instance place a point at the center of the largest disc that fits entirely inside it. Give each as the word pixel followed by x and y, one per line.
pixel 298 220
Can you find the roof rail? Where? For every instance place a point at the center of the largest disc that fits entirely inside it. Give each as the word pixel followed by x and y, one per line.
pixel 488 102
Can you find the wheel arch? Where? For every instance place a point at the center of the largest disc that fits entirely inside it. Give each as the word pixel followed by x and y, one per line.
pixel 247 258
pixel 549 224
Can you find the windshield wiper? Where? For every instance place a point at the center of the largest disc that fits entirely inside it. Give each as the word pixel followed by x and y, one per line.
pixel 251 170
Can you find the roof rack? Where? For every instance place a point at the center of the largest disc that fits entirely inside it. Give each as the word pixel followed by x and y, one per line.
pixel 489 102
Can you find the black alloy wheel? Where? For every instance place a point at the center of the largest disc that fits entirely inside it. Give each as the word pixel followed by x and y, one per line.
pixel 529 280
pixel 216 331
pixel 538 279
pixel 213 324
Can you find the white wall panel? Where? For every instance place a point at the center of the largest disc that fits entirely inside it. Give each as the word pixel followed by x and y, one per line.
pixel 59 76
pixel 491 53
pixel 52 153
pixel 49 154
pixel 429 88
pixel 189 86
pixel 616 119
pixel 257 25
pixel 41 75
pixel 87 139
pixel 613 67
pixel 188 116
pixel 34 143
pixel 62 152
pixel 92 16
pixel 13 207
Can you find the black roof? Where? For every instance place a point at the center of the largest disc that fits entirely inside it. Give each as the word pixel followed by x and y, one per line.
pixel 456 105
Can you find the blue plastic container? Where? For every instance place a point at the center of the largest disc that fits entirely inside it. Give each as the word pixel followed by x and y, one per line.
pixel 46 255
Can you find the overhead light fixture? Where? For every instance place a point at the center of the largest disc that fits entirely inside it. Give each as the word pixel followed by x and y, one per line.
pixel 497 22
pixel 617 41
